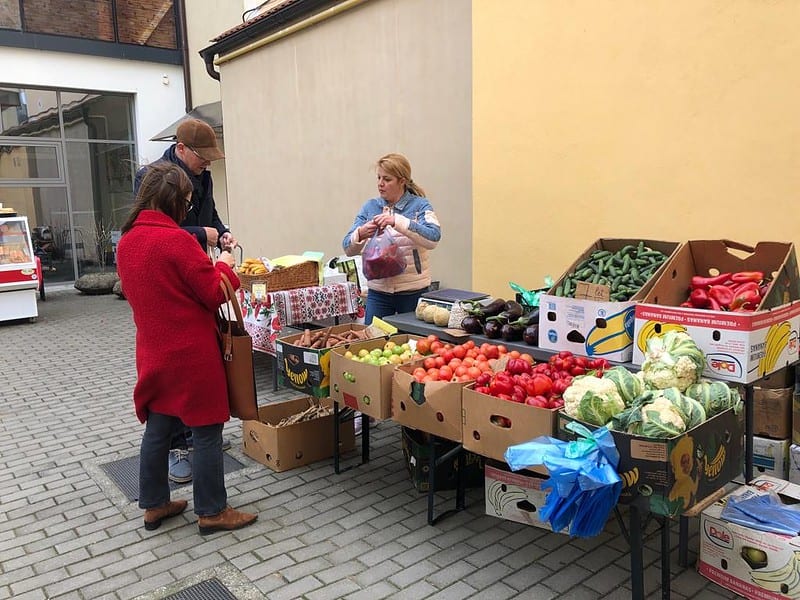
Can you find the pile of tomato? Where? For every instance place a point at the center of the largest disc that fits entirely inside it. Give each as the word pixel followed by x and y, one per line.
pixel 457 362
pixel 540 385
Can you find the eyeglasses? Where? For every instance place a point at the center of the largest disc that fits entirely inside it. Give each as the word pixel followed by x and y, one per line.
pixel 197 154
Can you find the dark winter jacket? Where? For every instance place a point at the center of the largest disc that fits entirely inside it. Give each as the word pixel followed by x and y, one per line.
pixel 204 211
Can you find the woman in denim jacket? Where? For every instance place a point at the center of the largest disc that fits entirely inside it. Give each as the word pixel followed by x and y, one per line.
pixel 402 206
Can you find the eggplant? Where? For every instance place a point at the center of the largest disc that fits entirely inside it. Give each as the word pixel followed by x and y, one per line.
pixel 510 332
pixel 472 325
pixel 530 335
pixel 476 309
pixel 491 329
pixel 512 311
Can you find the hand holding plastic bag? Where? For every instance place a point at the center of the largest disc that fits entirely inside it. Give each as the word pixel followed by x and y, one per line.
pixel 584 482
pixel 382 256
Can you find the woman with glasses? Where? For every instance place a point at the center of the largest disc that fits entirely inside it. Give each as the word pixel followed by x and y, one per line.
pixel 174 291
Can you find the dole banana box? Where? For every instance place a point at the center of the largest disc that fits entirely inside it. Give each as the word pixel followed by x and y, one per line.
pixel 595 327
pixel 739 346
pixel 752 563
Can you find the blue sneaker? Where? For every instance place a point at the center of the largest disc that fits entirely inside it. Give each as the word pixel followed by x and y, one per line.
pixel 180 469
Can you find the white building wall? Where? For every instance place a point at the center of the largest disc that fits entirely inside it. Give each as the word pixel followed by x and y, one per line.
pixel 158 88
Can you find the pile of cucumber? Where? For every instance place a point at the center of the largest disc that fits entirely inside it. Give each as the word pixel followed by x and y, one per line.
pixel 624 271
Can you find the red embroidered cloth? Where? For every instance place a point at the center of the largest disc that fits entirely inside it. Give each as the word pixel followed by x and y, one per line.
pixel 265 319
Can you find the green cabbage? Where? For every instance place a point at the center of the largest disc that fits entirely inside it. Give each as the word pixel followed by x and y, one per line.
pixel 715 396
pixel 628 385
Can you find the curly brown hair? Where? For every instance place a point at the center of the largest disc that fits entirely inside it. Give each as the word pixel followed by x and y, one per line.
pixel 165 187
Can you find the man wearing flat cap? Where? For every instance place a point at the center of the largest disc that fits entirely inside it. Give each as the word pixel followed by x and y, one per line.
pixel 194 149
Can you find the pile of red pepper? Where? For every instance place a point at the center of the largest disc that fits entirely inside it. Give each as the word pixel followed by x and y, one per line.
pixel 539 385
pixel 739 292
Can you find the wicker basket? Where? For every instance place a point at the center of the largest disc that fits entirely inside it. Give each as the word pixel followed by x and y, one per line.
pixel 304 274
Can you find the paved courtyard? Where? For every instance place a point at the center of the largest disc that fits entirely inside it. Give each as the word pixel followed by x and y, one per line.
pixel 67 531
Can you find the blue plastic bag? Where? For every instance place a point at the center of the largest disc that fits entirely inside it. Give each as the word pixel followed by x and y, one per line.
pixel 763 512
pixel 584 482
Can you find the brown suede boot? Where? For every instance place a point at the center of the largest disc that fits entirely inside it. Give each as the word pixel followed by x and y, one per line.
pixel 154 516
pixel 227 520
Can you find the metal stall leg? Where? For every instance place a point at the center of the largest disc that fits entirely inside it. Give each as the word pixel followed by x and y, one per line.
pixel 637 547
pixel 748 433
pixel 341 416
pixel 434 462
pixel 665 562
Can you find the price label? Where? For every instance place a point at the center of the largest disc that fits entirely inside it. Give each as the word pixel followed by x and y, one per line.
pixel 592 291
pixel 259 291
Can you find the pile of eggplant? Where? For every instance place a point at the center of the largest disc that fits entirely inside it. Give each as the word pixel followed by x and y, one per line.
pixel 502 319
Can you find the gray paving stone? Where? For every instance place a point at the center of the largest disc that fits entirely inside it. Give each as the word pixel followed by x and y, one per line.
pixel 333 591
pixel 380 589
pixel 420 589
pixel 456 591
pixel 302 569
pixel 296 589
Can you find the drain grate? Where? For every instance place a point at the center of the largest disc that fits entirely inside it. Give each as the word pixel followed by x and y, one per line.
pixel 211 589
pixel 125 473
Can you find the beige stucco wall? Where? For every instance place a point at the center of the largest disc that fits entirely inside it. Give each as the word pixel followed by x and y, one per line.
pixel 307 116
pixel 205 20
pixel 602 118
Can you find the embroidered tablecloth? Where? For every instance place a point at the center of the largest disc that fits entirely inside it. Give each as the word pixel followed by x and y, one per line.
pixel 265 318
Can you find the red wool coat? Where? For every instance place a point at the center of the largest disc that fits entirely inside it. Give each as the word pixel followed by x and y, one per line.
pixel 173 289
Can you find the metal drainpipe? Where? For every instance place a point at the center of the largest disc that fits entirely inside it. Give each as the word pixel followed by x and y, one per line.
pixel 187 86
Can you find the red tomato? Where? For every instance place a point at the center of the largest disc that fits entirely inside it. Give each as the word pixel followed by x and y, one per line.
pixel 423 347
pixel 459 352
pixel 527 357
pixel 445 373
pixel 474 372
pixel 439 361
pixel 429 363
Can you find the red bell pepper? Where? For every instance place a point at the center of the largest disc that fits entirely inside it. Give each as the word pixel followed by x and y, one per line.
pixel 722 294
pixel 714 304
pixel 699 298
pixel 745 276
pixel 747 300
pixel 704 282
pixel 748 286
pixel 501 384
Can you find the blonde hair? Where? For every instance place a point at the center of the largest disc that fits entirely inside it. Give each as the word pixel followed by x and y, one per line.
pixel 398 166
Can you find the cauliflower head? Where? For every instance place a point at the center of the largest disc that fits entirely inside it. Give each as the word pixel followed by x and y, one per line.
pixel 664 374
pixel 592 399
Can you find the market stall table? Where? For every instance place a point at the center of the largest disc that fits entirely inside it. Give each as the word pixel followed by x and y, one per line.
pixel 409 323
pixel 265 318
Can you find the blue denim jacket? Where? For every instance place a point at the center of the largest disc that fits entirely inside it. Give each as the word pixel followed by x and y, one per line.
pixel 418 232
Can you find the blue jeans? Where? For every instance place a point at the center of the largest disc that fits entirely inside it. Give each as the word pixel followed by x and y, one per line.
pixel 208 473
pixel 380 304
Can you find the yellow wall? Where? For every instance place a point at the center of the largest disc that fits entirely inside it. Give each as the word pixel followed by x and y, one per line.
pixel 622 118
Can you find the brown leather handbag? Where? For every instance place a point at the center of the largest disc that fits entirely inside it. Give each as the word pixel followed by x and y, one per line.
pixel 237 356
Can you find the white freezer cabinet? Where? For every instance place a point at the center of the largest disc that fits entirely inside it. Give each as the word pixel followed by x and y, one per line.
pixel 19 279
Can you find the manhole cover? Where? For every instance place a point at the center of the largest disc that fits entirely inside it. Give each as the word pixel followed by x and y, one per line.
pixel 211 589
pixel 125 474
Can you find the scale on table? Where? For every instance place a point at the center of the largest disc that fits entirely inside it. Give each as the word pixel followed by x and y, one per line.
pixel 452 296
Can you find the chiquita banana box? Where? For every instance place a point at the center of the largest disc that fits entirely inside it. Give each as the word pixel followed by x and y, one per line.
pixel 752 563
pixel 590 309
pixel 668 476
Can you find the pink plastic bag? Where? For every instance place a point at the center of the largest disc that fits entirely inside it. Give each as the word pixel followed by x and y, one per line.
pixel 382 256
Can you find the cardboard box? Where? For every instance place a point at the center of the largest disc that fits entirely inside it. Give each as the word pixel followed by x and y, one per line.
pixel 291 446
pixel 433 407
pixel 796 418
pixel 751 563
pixel 307 369
pixel 668 476
pixel 739 346
pixel 782 378
pixel 491 425
pixel 592 328
pixel 772 412
pixel 416 450
pixel 794 463
pixel 514 496
pixel 771 457
pixel 362 386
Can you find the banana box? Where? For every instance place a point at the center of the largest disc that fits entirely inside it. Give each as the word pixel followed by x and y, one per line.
pixel 592 324
pixel 739 346
pixel 749 562
pixel 669 476
pixel 514 495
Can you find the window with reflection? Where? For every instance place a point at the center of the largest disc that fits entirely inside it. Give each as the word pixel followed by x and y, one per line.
pixel 154 27
pixel 28 112
pixel 88 19
pixel 21 162
pixel 97 116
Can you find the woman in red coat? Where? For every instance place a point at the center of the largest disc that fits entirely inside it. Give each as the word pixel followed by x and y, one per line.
pixel 174 291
